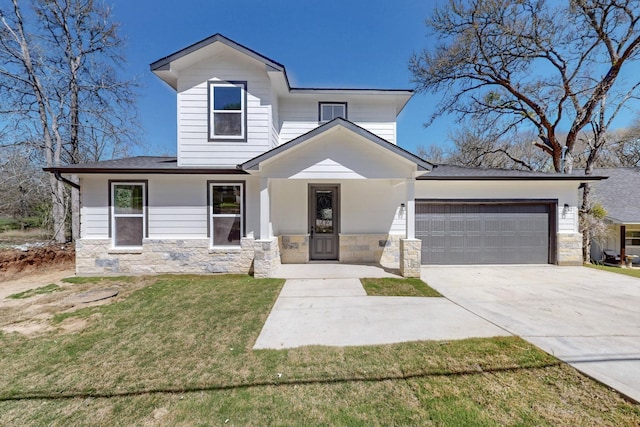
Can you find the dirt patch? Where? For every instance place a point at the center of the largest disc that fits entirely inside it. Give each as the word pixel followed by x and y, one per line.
pixel 36 265
pixel 15 262
pixel 35 315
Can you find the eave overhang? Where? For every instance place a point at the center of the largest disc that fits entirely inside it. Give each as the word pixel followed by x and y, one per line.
pixel 254 164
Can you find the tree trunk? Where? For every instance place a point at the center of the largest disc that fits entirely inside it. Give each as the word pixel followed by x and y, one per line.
pixel 586 236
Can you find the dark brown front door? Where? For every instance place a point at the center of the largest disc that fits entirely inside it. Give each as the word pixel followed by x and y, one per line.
pixel 324 221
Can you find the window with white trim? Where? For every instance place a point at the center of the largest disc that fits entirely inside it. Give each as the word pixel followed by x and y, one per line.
pixel 128 213
pixel 227 111
pixel 226 207
pixel 328 111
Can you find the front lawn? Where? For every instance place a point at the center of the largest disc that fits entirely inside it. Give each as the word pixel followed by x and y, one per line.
pixel 398 287
pixel 626 271
pixel 178 352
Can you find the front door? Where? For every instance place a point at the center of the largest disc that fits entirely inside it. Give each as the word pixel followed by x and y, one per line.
pixel 324 221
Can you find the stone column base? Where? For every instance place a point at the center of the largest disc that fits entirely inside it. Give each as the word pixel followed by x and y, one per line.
pixel 410 257
pixel 569 248
pixel 266 258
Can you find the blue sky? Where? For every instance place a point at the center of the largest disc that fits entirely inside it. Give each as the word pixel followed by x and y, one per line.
pixel 348 43
pixel 322 44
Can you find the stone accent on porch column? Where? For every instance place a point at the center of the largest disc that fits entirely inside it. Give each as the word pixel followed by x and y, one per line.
pixel 410 257
pixel 294 248
pixel 569 248
pixel 266 258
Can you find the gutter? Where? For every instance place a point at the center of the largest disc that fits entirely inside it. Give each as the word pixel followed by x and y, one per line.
pixel 61 178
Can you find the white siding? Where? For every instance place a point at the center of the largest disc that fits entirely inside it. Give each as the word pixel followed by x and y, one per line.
pixel 565 192
pixel 366 206
pixel 194 149
pixel 338 154
pixel 275 121
pixel 299 116
pixel 177 204
pixel 94 214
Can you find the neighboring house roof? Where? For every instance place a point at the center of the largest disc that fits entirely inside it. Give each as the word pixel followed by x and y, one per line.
pixel 140 164
pixel 459 173
pixel 163 68
pixel 254 164
pixel 620 194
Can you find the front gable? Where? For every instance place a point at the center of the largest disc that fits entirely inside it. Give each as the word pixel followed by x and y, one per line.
pixel 337 150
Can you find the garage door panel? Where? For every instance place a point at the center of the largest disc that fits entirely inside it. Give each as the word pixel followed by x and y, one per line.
pixel 477 233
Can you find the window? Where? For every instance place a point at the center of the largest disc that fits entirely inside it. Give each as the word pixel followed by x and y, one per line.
pixel 226 201
pixel 227 111
pixel 330 110
pixel 128 213
pixel 632 238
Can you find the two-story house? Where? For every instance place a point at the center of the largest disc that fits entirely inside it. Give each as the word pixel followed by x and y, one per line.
pixel 267 173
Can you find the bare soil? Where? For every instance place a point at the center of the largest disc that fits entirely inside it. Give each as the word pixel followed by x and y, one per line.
pixel 36 265
pixel 35 259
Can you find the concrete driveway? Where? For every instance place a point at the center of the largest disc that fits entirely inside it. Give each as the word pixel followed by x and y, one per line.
pixel 336 311
pixel 585 317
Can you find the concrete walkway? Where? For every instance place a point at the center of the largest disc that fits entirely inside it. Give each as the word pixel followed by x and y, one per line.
pixel 585 317
pixel 337 312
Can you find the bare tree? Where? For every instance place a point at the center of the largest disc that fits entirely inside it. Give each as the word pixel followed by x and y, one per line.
pixel 527 63
pixel 624 148
pixel 23 185
pixel 534 65
pixel 59 62
pixel 432 153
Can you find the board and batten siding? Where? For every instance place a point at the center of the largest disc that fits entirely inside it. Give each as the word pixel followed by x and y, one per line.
pixel 299 116
pixel 194 148
pixel 177 205
pixel 565 192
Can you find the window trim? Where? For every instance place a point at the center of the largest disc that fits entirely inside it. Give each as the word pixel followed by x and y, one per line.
pixel 631 235
pixel 145 210
pixel 321 104
pixel 211 84
pixel 242 215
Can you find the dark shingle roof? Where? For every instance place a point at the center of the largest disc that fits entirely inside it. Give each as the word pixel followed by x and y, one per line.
pixel 140 164
pixel 459 173
pixel 620 194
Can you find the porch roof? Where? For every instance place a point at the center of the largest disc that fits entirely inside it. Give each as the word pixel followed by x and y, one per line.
pixel 337 123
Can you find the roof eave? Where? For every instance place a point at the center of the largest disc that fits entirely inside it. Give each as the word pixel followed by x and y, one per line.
pixel 254 164
pixel 162 67
pixel 139 171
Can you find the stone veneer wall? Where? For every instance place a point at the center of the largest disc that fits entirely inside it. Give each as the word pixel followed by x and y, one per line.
pixel 380 248
pixel 267 258
pixel 97 257
pixel 410 257
pixel 294 249
pixel 569 248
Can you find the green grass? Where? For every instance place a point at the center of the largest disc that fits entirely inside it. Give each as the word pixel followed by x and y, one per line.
pixel 619 270
pixel 178 352
pixel 391 286
pixel 37 291
pixel 79 280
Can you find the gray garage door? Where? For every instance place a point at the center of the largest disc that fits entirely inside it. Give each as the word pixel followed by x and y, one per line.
pixel 476 233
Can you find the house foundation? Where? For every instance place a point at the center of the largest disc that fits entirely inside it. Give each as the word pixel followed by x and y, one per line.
pixel 158 256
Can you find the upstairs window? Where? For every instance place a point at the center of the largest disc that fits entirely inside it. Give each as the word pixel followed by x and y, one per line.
pixel 330 110
pixel 227 111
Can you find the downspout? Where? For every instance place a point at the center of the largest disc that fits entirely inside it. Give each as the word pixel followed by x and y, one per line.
pixel 61 178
